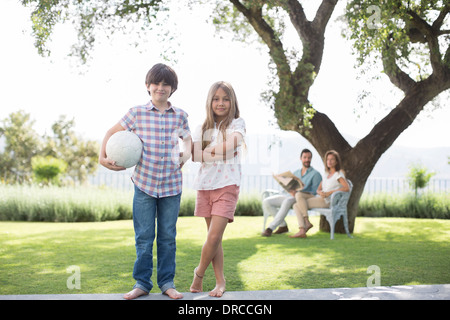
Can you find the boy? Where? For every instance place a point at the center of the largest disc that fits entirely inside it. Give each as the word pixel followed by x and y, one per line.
pixel 157 179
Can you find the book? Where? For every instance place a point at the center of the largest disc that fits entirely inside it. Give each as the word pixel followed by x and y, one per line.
pixel 289 181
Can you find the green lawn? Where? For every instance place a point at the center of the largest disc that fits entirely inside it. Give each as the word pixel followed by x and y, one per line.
pixel 34 256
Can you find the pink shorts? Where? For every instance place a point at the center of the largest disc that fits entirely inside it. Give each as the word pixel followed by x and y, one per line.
pixel 219 202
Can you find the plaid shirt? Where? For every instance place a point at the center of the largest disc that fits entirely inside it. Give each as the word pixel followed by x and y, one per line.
pixel 158 172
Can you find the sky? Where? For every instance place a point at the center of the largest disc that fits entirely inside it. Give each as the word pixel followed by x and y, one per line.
pixel 99 94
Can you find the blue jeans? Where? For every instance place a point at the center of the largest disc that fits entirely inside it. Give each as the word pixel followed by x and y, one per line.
pixel 146 211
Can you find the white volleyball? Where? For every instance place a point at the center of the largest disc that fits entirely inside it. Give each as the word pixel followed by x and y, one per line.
pixel 125 148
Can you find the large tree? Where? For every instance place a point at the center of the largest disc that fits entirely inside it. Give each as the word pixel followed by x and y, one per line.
pixel 391 32
pixel 411 40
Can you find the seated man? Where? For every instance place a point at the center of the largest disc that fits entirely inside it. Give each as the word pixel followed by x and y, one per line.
pixel 310 177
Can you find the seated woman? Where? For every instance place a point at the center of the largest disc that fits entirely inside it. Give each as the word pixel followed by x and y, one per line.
pixel 334 180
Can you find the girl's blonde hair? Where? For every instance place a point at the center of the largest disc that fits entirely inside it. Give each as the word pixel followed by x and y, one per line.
pixel 208 125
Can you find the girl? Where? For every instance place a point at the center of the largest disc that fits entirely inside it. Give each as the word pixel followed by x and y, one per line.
pixel 332 182
pixel 217 146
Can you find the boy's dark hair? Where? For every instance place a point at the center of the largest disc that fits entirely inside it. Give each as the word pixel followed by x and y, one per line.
pixel 305 151
pixel 161 72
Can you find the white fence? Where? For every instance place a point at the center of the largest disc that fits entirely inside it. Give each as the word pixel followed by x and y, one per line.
pixel 259 183
pixel 401 185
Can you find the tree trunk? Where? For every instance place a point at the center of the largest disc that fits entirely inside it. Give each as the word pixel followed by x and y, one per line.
pixel 359 161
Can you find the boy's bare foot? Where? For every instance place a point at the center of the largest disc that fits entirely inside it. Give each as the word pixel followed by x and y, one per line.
pixel 173 293
pixel 218 291
pixel 133 294
pixel 197 283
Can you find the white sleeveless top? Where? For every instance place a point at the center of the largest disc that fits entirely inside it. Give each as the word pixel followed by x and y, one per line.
pixel 332 183
pixel 221 173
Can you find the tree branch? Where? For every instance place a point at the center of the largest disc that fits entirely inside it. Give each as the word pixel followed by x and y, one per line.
pixel 437 24
pixel 323 15
pixel 447 60
pixel 303 25
pixel 396 75
pixel 431 36
pixel 387 130
pixel 298 19
pixel 325 136
pixel 255 18
pixel 311 33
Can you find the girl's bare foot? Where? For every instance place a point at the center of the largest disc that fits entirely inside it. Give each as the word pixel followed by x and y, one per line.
pixel 197 283
pixel 133 294
pixel 173 293
pixel 218 291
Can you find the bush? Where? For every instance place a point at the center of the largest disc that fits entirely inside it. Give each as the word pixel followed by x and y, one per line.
pixel 82 204
pixel 48 169
pixel 418 177
pixel 187 205
pixel 33 203
pixel 428 205
pixel 249 205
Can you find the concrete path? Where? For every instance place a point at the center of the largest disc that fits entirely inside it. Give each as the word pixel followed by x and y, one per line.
pixel 421 292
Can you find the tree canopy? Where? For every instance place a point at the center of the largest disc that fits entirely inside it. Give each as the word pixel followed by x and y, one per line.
pixel 410 38
pixel 88 18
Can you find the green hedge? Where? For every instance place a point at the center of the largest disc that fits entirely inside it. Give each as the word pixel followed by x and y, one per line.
pixel 427 205
pixel 82 204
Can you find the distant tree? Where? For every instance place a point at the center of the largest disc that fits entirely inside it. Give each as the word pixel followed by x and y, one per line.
pixel 418 177
pixel 81 155
pixel 21 144
pixel 48 169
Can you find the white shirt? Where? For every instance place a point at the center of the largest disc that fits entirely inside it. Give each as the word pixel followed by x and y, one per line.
pixel 221 173
pixel 332 183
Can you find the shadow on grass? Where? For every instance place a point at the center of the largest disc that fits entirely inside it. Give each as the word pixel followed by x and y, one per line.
pixel 37 263
pixel 406 251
